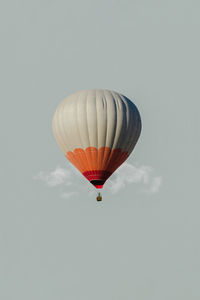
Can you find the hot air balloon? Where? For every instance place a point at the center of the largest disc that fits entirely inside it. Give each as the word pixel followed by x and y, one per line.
pixel 97 130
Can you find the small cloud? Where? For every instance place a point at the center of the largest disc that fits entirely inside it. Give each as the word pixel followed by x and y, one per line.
pixel 130 174
pixel 62 178
pixel 57 177
pixel 126 175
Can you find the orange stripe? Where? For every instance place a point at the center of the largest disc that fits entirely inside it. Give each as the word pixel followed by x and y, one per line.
pixel 97 159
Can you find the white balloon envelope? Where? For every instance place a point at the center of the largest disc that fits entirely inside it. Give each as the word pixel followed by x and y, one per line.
pixel 97 130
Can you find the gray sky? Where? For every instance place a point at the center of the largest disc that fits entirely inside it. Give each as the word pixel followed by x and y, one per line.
pixel 136 244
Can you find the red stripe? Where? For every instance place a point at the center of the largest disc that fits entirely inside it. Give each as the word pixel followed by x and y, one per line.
pixel 97 175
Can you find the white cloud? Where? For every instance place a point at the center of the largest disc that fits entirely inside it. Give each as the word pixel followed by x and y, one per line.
pixel 126 175
pixel 57 177
pixel 130 174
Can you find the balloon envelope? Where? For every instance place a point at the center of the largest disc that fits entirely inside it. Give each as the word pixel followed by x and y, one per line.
pixel 97 130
